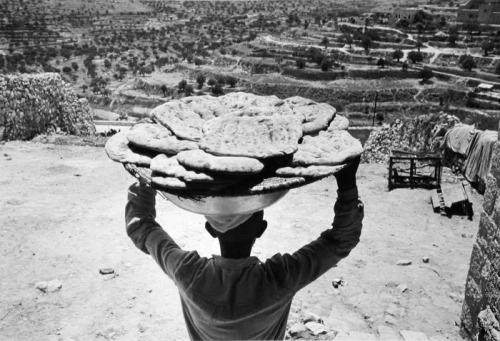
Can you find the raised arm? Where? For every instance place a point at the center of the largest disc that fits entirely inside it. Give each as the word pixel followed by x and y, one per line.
pixel 147 234
pixel 314 259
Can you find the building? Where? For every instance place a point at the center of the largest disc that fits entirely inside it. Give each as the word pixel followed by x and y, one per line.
pixel 483 11
pixel 405 13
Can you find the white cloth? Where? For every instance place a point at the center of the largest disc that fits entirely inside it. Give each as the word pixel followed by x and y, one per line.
pixel 224 223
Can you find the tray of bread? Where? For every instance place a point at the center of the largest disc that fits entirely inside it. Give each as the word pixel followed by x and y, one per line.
pixel 235 145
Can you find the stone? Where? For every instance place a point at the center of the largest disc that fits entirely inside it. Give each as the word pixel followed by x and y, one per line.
pixel 425 259
pixel 355 336
pixel 308 316
pixel 50 286
pixel 402 287
pixel 337 282
pixel 438 338
pixel 490 195
pixel 390 320
pixel 316 328
pixel 296 328
pixel 404 262
pixel 106 271
pixel 387 334
pixel 409 335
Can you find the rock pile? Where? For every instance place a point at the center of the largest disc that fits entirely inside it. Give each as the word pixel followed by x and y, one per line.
pixel 420 134
pixel 35 104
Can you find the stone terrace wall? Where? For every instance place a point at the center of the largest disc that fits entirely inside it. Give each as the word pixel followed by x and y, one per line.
pixel 481 308
pixel 35 104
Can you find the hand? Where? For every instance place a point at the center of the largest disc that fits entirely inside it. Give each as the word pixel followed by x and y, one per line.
pixel 346 178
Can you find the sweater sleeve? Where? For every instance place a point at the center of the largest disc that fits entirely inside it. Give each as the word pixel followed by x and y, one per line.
pixel 314 259
pixel 147 234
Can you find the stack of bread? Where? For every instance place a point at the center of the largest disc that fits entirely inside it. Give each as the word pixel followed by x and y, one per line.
pixel 233 142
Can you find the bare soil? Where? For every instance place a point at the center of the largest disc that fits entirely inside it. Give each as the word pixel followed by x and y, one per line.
pixel 63 218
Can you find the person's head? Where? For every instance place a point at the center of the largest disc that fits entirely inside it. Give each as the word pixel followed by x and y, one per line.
pixel 238 242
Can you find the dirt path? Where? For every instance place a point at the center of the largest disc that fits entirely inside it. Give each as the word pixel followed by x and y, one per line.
pixel 62 218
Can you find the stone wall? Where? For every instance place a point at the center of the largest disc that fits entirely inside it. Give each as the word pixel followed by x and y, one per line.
pixel 39 103
pixel 481 308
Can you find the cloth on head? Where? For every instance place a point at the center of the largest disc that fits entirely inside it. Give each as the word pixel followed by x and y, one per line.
pixel 224 223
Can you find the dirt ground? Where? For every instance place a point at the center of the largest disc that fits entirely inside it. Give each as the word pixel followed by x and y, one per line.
pixel 62 217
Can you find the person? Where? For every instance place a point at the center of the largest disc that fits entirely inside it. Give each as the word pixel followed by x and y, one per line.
pixel 235 296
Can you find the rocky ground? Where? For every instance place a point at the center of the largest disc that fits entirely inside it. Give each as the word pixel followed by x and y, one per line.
pixel 62 224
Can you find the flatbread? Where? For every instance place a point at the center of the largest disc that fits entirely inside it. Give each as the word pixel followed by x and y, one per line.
pixel 118 150
pixel 317 117
pixel 239 100
pixel 170 167
pixel 182 120
pixel 167 182
pixel 298 101
pixel 255 137
pixel 327 149
pixel 172 183
pixel 309 172
pixel 157 137
pixel 202 161
pixel 205 105
pixel 339 123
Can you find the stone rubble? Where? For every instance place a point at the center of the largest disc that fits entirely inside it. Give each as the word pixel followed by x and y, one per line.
pixel 421 134
pixel 33 104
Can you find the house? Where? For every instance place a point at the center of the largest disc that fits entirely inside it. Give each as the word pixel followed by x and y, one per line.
pixel 405 13
pixel 483 11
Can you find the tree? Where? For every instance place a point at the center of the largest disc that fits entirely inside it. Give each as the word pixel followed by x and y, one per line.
pixel 211 82
pixel 397 54
pixel 164 90
pixel 453 35
pixel 198 61
pixel 301 63
pixel 404 67
pixel 107 64
pixel 487 45
pixel 217 90
pixel 318 57
pixel 182 85
pixel 85 87
pixel 325 41
pixel 467 62
pixel 200 79
pixel 419 44
pixel 67 69
pixel 188 90
pixel 415 57
pixel 426 74
pixel 366 42
pixel 381 63
pixel 231 81
pixel 74 66
pixel 326 64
